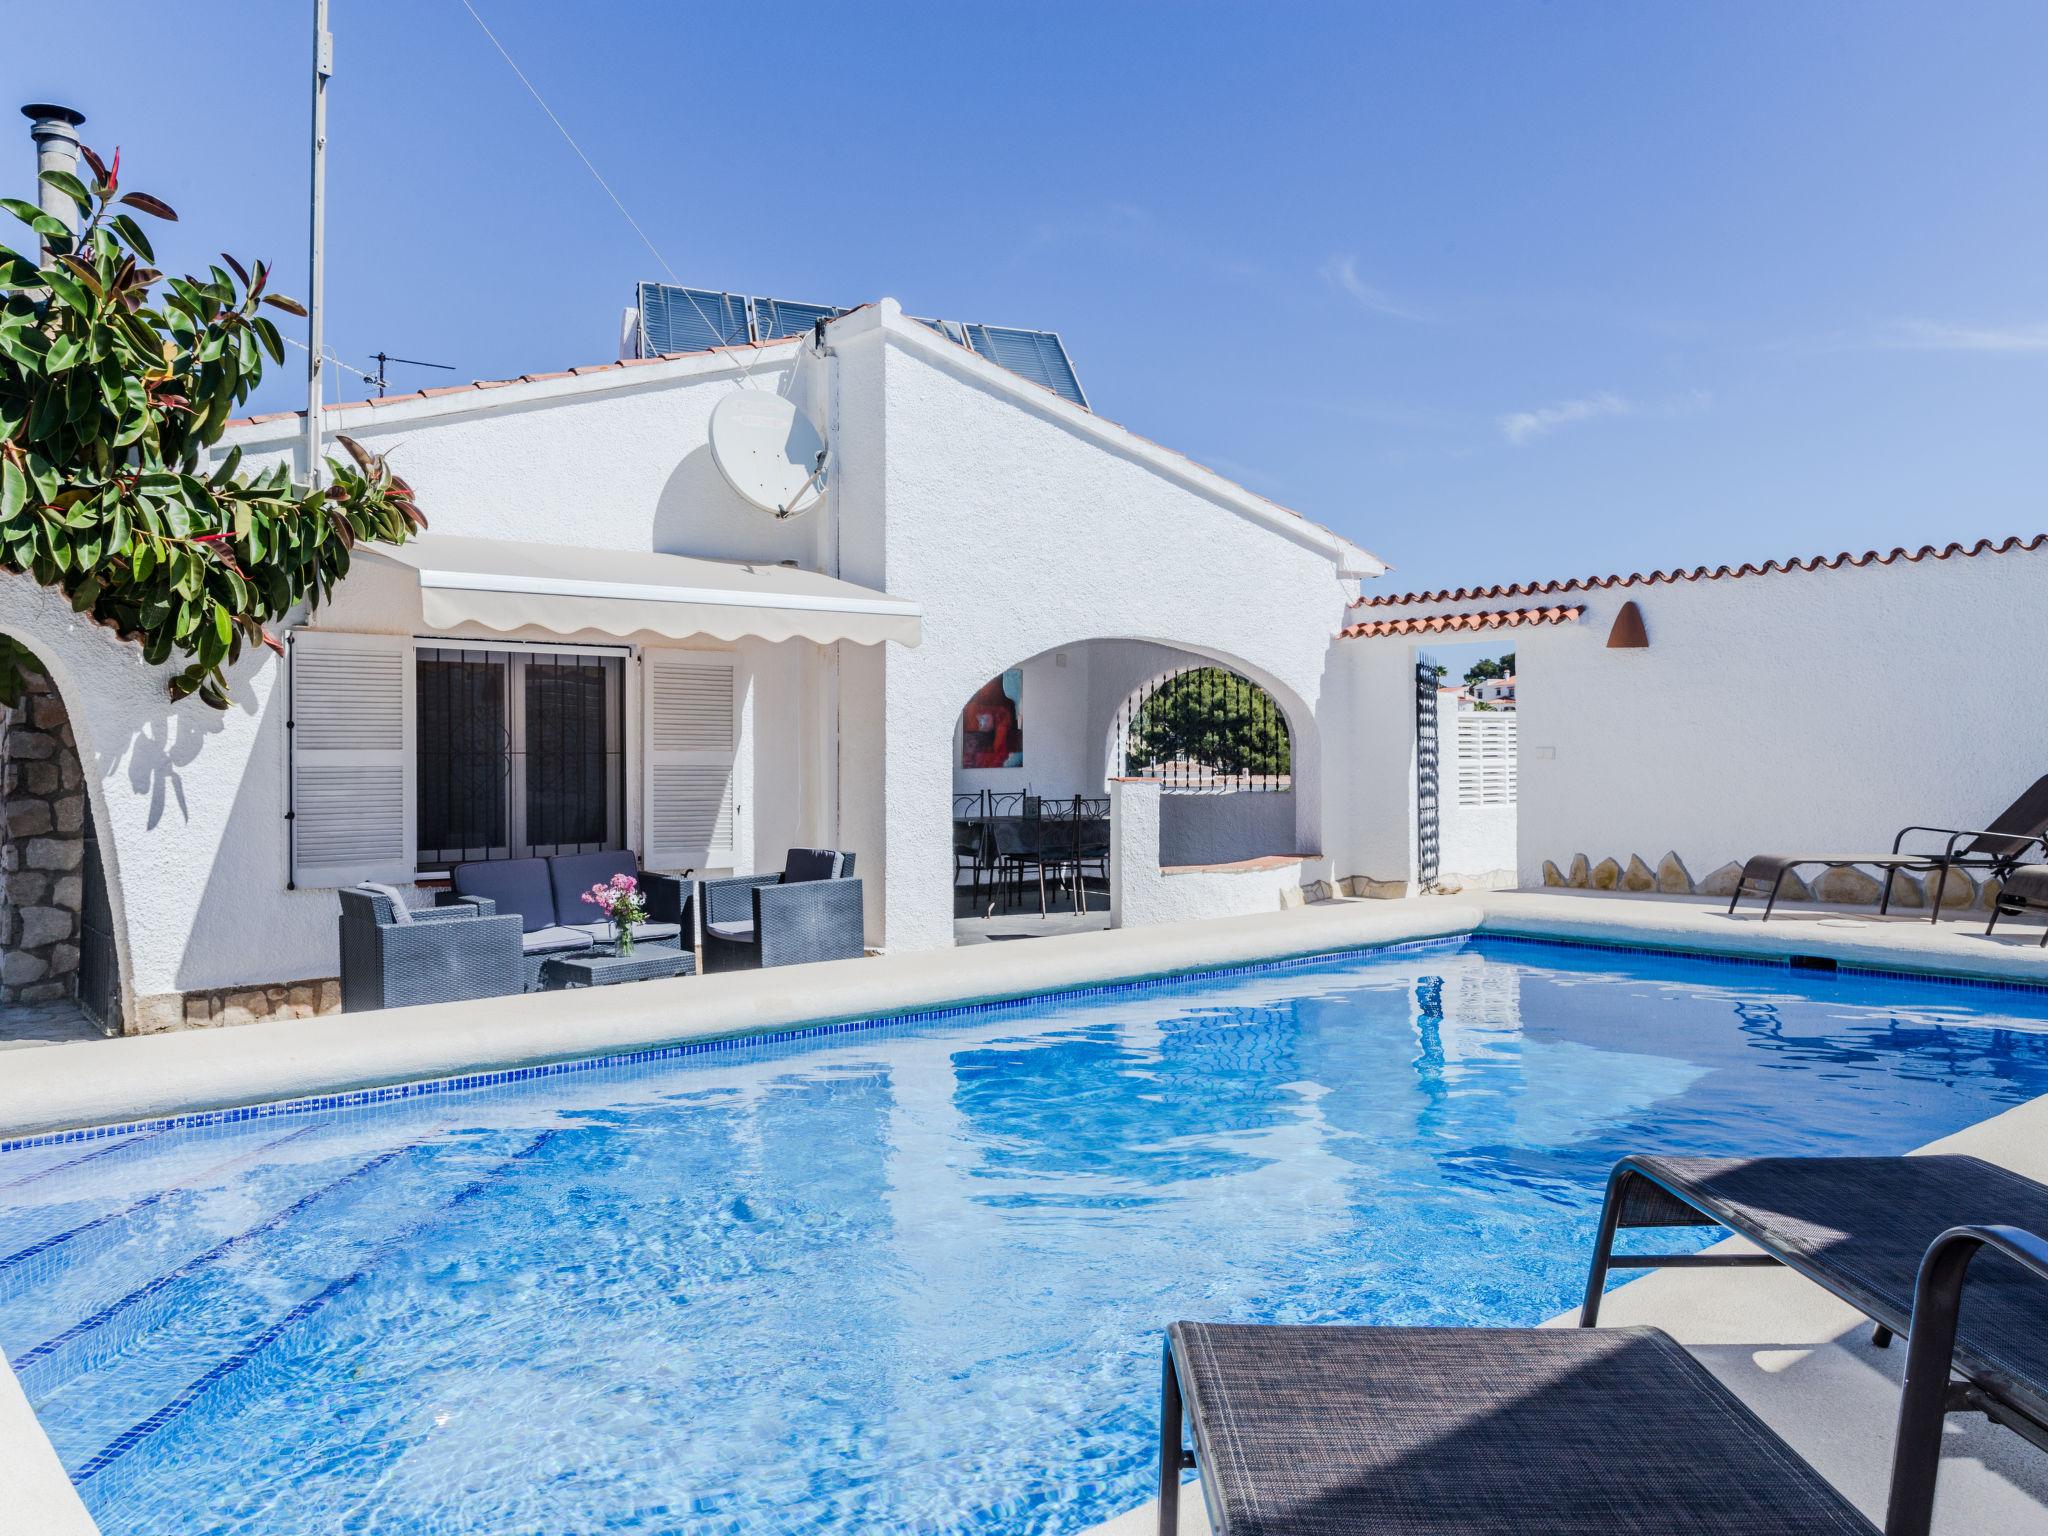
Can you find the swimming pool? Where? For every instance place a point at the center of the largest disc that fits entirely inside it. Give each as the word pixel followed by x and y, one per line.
pixel 905 1278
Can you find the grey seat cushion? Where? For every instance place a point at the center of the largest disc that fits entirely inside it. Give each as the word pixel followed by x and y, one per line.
pixel 542 941
pixel 733 933
pixel 571 874
pixel 516 885
pixel 604 933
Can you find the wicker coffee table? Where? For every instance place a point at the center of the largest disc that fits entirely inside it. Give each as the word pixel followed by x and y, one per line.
pixel 595 968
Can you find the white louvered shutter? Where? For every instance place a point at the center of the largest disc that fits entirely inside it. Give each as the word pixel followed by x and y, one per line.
pixel 692 728
pixel 351 758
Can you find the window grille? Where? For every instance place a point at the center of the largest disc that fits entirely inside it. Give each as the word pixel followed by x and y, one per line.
pixel 1205 728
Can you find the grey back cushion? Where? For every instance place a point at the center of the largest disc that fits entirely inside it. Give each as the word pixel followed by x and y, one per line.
pixel 809 864
pixel 572 874
pixel 516 885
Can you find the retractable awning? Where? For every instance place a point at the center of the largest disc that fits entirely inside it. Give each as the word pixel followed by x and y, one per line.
pixel 567 590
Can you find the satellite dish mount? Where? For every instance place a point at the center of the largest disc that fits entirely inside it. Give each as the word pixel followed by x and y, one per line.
pixel 769 452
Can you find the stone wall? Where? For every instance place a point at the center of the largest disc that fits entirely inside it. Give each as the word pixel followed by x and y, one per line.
pixel 221 1006
pixel 42 795
pixel 1848 886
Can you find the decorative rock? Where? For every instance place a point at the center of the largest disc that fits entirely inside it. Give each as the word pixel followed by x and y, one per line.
pixel 330 995
pixel 1316 890
pixel 1290 896
pixel 1958 895
pixel 1849 887
pixel 69 813
pixel 1987 894
pixel 41 778
pixel 1794 888
pixel 1606 875
pixel 1448 887
pixel 48 712
pixel 1581 875
pixel 69 774
pixel 63 959
pixel 66 891
pixel 198 1010
pixel 26 887
pixel 159 1013
pixel 28 746
pixel 1673 878
pixel 1376 890
pixel 1638 876
pixel 1907 891
pixel 1552 875
pixel 1721 881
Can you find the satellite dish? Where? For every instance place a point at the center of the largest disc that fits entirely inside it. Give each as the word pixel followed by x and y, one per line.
pixel 768 452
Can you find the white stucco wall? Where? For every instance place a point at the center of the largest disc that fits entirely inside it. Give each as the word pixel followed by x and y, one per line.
pixel 1023 525
pixel 994 487
pixel 1221 826
pixel 1793 711
pixel 1143 893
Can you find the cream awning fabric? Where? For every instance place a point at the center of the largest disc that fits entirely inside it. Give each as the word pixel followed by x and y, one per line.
pixel 568 590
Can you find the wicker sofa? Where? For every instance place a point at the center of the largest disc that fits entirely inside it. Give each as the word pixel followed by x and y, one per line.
pixel 547 897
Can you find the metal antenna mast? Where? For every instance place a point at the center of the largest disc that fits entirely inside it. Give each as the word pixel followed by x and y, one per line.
pixel 410 362
pixel 316 351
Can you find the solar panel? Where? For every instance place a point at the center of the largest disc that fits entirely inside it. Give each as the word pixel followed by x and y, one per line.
pixel 777 318
pixel 1036 355
pixel 676 319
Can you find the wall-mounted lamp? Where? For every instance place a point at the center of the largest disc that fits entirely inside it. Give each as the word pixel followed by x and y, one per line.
pixel 1628 633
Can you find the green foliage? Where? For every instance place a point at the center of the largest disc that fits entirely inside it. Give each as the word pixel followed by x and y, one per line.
pixel 1215 718
pixel 114 382
pixel 1486 669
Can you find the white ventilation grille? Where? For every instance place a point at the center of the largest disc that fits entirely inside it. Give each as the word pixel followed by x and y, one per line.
pixel 1486 758
pixel 691 803
pixel 352 770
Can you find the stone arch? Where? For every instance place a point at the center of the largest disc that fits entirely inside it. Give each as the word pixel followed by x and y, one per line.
pixel 57 940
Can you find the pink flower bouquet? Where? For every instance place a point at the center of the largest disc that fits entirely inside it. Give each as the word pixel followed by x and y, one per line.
pixel 621 900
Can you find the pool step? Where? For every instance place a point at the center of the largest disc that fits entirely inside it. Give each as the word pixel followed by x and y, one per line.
pixel 127 1423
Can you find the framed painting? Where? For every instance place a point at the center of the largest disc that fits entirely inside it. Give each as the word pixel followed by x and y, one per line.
pixel 992 725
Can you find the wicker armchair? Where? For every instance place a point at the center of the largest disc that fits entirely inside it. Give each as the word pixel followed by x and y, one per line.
pixel 439 955
pixel 810 911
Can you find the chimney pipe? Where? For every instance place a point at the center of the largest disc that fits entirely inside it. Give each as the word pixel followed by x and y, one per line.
pixel 55 131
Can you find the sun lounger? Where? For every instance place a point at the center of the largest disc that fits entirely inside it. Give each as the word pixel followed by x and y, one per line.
pixel 1996 850
pixel 1530 1431
pixel 1858 1227
pixel 2025 889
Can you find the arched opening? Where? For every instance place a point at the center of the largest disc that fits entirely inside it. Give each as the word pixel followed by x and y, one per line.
pixel 1037 744
pixel 59 965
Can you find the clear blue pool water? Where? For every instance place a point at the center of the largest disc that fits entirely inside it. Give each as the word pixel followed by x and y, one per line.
pixel 908 1279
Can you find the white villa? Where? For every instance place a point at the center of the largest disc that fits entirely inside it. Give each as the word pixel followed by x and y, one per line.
pixel 663 667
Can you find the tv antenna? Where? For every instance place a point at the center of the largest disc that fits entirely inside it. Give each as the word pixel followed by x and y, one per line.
pixel 383 358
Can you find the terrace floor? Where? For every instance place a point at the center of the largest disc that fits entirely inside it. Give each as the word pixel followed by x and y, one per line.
pixel 24 1024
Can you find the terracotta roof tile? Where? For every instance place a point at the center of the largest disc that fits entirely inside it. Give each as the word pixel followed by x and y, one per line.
pixel 1447 623
pixel 1715 573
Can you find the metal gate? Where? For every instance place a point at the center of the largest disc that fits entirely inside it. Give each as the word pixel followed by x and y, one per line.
pixel 1427 842
pixel 99 962
pixel 1204 728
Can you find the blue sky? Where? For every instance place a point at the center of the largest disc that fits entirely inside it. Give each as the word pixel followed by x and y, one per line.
pixel 1500 290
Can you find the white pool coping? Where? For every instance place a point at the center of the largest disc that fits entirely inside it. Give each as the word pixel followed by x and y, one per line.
pixel 1779 1342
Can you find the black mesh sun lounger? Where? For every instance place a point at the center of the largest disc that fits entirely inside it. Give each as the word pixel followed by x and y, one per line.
pixel 1995 850
pixel 1858 1227
pixel 1475 1432
pixel 1536 1431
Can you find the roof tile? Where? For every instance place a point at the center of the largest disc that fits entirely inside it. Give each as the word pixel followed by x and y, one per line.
pixel 1450 623
pixel 1716 573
